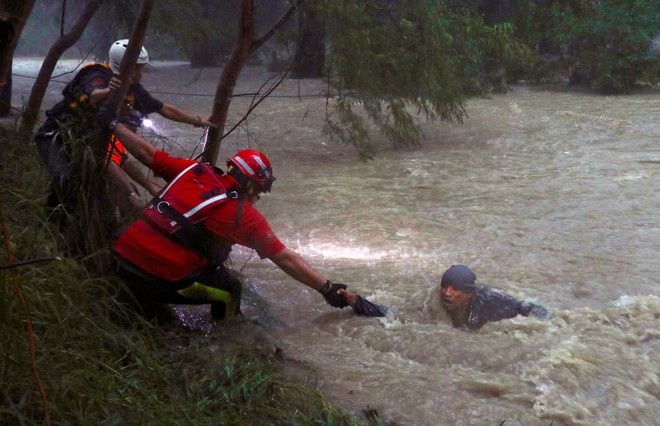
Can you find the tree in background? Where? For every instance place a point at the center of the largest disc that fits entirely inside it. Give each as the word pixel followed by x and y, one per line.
pixel 209 40
pixel 66 40
pixel 13 15
pixel 389 61
pixel 247 43
pixel 216 33
pixel 398 60
pixel 309 60
pixel 609 42
pixel 605 45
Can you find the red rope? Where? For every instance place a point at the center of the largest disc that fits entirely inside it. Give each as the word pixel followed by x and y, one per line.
pixel 33 352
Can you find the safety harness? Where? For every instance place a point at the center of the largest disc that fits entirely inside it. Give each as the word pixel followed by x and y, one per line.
pixel 178 213
pixel 180 209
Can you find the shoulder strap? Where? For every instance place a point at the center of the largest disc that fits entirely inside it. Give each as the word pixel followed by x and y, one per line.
pixel 191 235
pixel 181 208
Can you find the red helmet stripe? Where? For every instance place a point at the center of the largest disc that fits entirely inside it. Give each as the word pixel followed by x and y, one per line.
pixel 264 168
pixel 244 165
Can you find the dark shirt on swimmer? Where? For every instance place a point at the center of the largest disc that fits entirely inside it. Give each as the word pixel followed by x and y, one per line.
pixel 489 304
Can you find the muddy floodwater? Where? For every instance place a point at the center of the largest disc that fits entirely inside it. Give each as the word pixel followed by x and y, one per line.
pixel 548 193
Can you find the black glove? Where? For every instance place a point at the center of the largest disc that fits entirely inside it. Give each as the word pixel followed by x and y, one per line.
pixel 329 292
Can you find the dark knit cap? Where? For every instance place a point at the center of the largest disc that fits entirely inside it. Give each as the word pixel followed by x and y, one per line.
pixel 460 277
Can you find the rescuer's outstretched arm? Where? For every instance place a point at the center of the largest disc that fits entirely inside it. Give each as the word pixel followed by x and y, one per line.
pixel 139 147
pixel 294 265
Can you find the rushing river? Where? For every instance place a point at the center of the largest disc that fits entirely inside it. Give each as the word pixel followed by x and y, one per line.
pixel 549 194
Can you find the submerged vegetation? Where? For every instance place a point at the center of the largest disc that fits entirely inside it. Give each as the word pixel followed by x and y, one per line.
pixel 71 353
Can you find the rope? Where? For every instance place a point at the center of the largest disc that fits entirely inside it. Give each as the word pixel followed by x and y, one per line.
pixel 28 322
pixel 203 95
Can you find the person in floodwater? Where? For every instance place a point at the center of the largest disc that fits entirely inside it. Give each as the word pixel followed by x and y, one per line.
pixel 470 306
pixel 175 252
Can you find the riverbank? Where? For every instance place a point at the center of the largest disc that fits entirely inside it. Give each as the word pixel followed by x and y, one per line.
pixel 547 192
pixel 84 359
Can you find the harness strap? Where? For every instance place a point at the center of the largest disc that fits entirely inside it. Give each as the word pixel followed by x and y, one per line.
pixel 191 235
pixel 239 213
pixel 183 224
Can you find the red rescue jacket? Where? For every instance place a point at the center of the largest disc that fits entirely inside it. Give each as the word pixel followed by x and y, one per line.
pixel 180 209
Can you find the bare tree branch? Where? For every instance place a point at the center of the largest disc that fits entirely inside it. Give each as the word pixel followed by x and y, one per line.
pixel 28 262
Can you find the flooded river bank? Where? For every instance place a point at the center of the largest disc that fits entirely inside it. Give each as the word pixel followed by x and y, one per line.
pixel 547 193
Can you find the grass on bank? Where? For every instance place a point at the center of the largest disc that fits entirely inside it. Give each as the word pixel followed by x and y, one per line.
pixel 70 353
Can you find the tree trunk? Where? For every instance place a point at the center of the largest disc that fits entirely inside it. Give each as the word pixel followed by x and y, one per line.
pixel 13 15
pixel 245 45
pixel 129 60
pixel 310 54
pixel 5 94
pixel 96 221
pixel 67 40
pixel 205 53
pixel 228 79
pixel 210 48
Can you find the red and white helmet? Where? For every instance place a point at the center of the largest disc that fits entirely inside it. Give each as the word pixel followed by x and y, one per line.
pixel 254 165
pixel 116 54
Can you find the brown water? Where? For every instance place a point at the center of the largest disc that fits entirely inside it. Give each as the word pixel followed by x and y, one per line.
pixel 549 194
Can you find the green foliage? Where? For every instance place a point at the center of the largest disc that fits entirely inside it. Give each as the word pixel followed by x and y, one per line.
pixel 609 41
pixel 100 363
pixel 98 209
pixel 390 64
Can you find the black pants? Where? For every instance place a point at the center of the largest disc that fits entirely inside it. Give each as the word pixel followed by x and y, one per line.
pixel 147 288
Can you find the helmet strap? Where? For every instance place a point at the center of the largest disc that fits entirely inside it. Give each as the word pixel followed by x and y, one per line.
pixel 236 173
pixel 248 187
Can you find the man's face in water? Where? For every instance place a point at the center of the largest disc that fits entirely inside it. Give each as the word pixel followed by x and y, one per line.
pixel 453 298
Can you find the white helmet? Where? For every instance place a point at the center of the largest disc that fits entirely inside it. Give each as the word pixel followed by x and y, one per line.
pixel 117 53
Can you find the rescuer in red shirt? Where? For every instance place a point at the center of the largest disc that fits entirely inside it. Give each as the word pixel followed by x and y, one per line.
pixel 175 252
